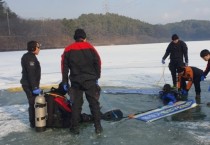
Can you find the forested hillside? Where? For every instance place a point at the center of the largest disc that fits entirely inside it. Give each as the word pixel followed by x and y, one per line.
pixel 101 29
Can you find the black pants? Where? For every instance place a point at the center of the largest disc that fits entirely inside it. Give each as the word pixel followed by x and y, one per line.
pixel 31 100
pixel 173 65
pixel 92 93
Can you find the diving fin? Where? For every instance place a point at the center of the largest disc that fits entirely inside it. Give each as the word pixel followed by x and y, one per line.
pixel 113 115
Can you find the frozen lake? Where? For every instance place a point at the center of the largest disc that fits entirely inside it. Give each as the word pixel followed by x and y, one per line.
pixel 123 66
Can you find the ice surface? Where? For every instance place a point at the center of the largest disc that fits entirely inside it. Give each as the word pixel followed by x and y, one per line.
pixel 123 66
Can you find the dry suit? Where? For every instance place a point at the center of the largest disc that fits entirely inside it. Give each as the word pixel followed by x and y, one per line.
pixel 84 64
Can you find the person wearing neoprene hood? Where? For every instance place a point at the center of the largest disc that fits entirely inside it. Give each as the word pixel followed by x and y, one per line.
pixel 81 65
pixel 178 51
pixel 31 76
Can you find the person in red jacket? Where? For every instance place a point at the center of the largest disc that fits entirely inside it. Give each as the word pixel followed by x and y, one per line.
pixel 84 64
pixel 191 74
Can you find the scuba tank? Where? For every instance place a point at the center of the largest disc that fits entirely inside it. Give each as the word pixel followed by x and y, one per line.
pixel 40 113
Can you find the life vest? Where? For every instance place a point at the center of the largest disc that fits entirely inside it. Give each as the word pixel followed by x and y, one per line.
pixel 187 75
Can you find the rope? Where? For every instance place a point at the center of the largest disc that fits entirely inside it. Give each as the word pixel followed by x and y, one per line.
pixel 162 76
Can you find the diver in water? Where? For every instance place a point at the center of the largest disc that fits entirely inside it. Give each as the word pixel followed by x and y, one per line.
pixel 169 96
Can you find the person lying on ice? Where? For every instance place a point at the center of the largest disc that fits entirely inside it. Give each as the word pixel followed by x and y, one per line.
pixel 194 76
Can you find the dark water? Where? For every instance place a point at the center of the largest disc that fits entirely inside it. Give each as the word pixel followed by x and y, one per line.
pixel 191 127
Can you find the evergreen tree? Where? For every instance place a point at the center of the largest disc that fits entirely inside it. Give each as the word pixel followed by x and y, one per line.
pixel 5 11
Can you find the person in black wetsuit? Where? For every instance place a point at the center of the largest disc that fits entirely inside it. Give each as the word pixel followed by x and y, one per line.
pixel 177 50
pixel 31 75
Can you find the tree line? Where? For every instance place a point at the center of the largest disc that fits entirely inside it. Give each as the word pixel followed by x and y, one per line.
pixel 101 29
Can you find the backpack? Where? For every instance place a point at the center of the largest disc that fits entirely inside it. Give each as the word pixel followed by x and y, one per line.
pixel 58 109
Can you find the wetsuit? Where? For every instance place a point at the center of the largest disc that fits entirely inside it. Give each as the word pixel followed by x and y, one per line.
pixel 31 75
pixel 176 51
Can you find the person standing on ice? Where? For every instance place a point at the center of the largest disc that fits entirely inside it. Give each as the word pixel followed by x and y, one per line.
pixel 178 50
pixel 84 64
pixel 31 75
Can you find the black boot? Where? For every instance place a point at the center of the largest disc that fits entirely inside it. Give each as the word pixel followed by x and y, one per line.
pixel 198 99
pixel 32 125
pixel 98 129
pixel 31 114
pixel 74 130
